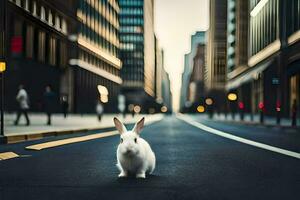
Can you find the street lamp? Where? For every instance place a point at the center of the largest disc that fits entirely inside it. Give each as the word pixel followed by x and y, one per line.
pixel 209 102
pixel 241 107
pixel 103 93
pixel 137 109
pixel 201 109
pixel 164 109
pixel 232 97
pixel 261 107
pixel 2 69
pixel 278 110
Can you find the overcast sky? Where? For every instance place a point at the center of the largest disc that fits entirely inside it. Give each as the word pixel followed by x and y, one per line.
pixel 175 22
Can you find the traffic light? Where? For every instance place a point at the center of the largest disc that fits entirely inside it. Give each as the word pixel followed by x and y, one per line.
pixel 241 105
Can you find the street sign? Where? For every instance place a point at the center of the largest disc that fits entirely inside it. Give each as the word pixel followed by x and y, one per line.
pixel 2 66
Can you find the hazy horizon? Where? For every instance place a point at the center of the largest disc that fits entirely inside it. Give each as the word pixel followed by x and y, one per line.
pixel 175 22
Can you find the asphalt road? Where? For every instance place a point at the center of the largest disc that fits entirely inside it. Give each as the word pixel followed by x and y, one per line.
pixel 191 164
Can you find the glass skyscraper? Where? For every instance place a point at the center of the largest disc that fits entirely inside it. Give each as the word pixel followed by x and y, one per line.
pixel 137 50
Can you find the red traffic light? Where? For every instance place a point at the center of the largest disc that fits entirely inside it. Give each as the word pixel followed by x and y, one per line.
pixel 261 105
pixel 241 105
pixel 278 106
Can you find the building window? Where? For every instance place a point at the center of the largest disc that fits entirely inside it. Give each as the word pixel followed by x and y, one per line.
pixel 26 5
pixel 29 41
pixel 43 14
pixel 64 26
pixel 34 10
pixel 18 2
pixel 41 46
pixel 52 51
pixel 50 18
pixel 57 22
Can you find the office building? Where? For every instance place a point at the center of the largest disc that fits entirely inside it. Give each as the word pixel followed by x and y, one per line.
pixel 271 78
pixel 162 82
pixel 138 52
pixel 196 39
pixel 34 39
pixel 237 46
pixel 215 72
pixel 166 91
pixel 196 91
pixel 96 62
pixel 71 45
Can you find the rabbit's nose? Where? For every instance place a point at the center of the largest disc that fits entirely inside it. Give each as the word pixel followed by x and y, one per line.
pixel 129 149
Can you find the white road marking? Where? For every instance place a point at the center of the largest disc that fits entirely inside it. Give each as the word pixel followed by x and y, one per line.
pixel 61 142
pixel 238 139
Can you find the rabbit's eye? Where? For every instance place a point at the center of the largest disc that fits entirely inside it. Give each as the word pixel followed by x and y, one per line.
pixel 135 140
pixel 121 140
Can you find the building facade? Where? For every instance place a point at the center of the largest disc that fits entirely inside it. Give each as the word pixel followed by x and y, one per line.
pixel 158 71
pixel 196 90
pixel 237 46
pixel 96 64
pixel 196 39
pixel 215 72
pixel 70 45
pixel 162 82
pixel 36 51
pixel 271 75
pixel 138 52
pixel 166 91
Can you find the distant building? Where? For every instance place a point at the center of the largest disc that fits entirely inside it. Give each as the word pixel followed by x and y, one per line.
pixel 96 62
pixel 196 39
pixel 196 92
pixel 162 81
pixel 166 91
pixel 138 52
pixel 158 72
pixel 215 73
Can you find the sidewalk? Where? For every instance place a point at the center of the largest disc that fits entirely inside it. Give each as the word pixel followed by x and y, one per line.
pixel 268 121
pixel 60 125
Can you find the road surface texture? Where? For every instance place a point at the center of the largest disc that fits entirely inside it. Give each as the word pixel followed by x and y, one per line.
pixel 191 164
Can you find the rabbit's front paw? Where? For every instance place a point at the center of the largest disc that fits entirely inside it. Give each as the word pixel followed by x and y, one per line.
pixel 123 174
pixel 141 175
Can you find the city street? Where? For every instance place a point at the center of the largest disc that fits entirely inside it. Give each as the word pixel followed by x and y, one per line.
pixel 197 158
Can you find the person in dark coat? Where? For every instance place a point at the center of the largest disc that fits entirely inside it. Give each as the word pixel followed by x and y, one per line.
pixel 65 106
pixel 294 112
pixel 49 103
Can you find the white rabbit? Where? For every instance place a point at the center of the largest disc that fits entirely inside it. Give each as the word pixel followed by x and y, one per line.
pixel 134 154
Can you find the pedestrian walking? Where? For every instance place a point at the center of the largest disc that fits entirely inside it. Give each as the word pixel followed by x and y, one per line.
pixel 99 110
pixel 294 113
pixel 65 106
pixel 49 103
pixel 23 101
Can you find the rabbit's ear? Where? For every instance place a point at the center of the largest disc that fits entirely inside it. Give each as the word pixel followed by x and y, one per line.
pixel 139 126
pixel 120 126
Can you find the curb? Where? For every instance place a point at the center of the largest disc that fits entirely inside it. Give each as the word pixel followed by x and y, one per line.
pixel 11 139
pixel 259 124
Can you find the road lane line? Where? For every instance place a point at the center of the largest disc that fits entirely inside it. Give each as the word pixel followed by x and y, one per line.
pixel 57 143
pixel 8 155
pixel 238 139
